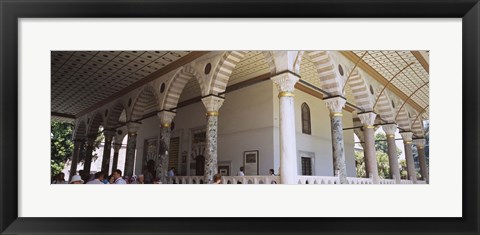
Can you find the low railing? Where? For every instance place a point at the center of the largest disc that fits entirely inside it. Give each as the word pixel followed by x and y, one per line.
pixel 261 179
pixel 266 179
pixel 387 181
pixel 186 180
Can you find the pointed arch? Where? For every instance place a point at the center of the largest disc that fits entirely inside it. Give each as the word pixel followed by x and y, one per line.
pixel 385 109
pixel 402 119
pixel 177 84
pixel 306 119
pixel 80 130
pixel 417 126
pixel 147 97
pixel 114 115
pixel 225 67
pixel 330 80
pixel 95 121
pixel 360 91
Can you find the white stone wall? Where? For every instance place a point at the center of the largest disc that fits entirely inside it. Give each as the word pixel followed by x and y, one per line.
pixel 319 142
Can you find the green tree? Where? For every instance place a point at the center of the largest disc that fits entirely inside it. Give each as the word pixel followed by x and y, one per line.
pixel 383 165
pixel 360 164
pixel 61 146
pixel 403 169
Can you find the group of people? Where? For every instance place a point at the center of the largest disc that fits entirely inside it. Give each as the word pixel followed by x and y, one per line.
pixel 99 178
pixel 116 178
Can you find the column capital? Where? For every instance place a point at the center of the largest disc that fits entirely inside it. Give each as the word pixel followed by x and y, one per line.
pixel 367 119
pixel 420 143
pixel 285 82
pixel 390 129
pixel 407 137
pixel 166 118
pixel 109 134
pixel 117 146
pixel 212 104
pixel 335 105
pixel 133 127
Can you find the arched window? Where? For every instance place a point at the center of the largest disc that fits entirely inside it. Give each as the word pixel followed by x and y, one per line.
pixel 306 124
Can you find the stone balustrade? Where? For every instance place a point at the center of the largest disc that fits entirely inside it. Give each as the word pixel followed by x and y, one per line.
pixel 265 179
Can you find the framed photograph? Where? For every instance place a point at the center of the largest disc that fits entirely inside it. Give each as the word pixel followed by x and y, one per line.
pixel 182 36
pixel 250 162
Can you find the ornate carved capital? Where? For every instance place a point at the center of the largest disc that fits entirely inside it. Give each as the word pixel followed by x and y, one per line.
pixel 212 103
pixel 389 129
pixel 335 104
pixel 133 127
pixel 420 143
pixel 367 119
pixel 166 118
pixel 407 137
pixel 285 82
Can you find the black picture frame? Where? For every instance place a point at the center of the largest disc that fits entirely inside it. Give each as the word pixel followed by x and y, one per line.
pixel 12 10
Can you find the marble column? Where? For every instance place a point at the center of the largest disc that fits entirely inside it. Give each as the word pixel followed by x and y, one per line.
pixel 390 130
pixel 161 164
pixel 212 104
pixel 88 153
pixel 407 143
pixel 420 143
pixel 131 148
pixel 107 149
pixel 78 145
pixel 335 106
pixel 361 137
pixel 370 153
pixel 285 83
pixel 116 149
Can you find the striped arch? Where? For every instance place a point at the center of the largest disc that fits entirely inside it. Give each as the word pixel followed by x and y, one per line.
pixel 360 91
pixel 95 121
pixel 177 84
pixel 146 98
pixel 298 62
pixel 403 120
pixel 114 115
pixel 329 79
pixel 80 131
pixel 227 64
pixel 384 108
pixel 417 126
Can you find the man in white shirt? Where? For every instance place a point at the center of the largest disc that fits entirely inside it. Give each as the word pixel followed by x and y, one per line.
pixel 117 175
pixel 99 176
pixel 240 173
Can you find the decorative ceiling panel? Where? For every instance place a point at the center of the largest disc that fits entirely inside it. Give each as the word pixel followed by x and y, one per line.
pixel 80 79
pixel 404 71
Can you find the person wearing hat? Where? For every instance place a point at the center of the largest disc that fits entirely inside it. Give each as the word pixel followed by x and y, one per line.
pixel 76 179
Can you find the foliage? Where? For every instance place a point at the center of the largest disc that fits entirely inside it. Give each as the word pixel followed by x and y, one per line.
pixel 360 163
pixel 403 169
pixel 61 145
pixel 383 165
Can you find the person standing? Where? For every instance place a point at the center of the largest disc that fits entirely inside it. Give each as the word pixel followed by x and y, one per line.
pixel 117 175
pixel 99 176
pixel 240 173
pixel 171 172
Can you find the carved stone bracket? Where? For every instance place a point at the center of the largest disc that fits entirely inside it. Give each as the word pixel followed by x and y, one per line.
pixel 285 81
pixel 335 104
pixel 390 129
pixel 166 118
pixel 213 103
pixel 367 119
pixel 407 137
